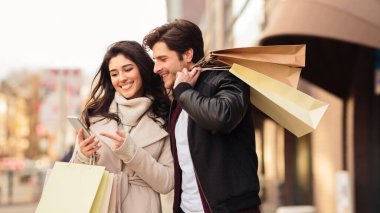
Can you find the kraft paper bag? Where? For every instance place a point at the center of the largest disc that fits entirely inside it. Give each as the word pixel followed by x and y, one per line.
pixel 290 55
pixel 281 62
pixel 292 109
pixel 70 188
pixel 285 74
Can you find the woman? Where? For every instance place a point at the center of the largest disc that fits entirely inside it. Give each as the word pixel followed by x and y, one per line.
pixel 127 112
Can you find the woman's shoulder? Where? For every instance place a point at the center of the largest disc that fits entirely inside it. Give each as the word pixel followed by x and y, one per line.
pixel 148 123
pixel 148 131
pixel 154 124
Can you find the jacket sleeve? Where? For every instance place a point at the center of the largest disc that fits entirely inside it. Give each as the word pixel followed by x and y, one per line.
pixel 223 110
pixel 159 174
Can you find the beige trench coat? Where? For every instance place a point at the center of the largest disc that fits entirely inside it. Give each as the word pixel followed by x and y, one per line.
pixel 145 161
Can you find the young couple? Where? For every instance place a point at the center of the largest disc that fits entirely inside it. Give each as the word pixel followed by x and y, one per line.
pixel 202 143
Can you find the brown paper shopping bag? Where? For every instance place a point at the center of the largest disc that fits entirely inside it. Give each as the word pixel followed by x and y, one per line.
pixel 296 111
pixel 72 188
pixel 290 55
pixel 280 62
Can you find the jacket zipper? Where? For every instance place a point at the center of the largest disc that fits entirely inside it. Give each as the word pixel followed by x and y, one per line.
pixel 201 188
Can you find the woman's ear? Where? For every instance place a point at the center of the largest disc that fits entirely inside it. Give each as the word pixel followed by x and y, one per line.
pixel 188 55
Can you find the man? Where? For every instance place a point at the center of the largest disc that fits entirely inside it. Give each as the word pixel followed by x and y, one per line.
pixel 212 133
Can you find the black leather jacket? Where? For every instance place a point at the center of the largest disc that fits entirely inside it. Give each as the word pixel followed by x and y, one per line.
pixel 221 140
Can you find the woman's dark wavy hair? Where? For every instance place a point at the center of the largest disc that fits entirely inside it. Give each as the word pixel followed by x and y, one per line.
pixel 103 92
pixel 179 35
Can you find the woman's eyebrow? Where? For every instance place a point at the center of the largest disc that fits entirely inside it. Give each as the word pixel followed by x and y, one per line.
pixel 124 66
pixel 127 65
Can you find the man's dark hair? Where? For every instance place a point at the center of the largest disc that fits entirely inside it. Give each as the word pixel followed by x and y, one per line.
pixel 179 35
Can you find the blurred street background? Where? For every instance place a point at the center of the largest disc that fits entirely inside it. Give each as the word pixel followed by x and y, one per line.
pixel 50 50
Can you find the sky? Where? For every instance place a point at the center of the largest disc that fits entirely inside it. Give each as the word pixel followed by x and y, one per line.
pixel 70 34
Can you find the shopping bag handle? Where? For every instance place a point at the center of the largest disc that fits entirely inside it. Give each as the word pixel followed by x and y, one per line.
pixel 92 158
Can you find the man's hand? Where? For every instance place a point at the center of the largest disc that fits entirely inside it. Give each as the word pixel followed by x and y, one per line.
pixel 187 76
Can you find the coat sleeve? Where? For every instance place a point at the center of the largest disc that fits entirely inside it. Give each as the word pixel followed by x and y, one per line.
pixel 159 174
pixel 223 109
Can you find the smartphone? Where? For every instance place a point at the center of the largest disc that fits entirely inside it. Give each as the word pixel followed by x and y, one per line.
pixel 77 124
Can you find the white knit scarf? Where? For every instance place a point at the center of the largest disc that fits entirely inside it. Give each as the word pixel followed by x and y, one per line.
pixel 131 110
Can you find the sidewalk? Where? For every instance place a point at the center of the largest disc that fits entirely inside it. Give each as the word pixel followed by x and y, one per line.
pixel 19 208
pixel 24 194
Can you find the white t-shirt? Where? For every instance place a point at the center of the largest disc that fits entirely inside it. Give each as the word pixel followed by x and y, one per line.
pixel 190 198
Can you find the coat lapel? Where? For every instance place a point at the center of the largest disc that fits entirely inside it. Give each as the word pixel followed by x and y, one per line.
pixel 147 132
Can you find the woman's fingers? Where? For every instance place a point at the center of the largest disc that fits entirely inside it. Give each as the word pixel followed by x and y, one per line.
pixel 89 145
pixel 120 133
pixel 84 143
pixel 91 149
pixel 80 135
pixel 118 138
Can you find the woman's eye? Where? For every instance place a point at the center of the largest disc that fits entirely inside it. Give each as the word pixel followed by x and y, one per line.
pixel 127 70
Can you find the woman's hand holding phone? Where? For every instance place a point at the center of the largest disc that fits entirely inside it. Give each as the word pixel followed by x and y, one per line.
pixel 89 145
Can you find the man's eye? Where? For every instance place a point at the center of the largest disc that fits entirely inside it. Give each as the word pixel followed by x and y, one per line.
pixel 160 60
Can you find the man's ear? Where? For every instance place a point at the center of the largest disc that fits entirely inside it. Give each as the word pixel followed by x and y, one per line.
pixel 188 55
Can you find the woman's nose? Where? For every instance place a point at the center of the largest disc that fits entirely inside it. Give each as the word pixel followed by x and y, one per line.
pixel 123 76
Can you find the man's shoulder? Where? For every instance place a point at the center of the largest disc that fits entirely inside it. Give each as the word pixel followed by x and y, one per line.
pixel 213 75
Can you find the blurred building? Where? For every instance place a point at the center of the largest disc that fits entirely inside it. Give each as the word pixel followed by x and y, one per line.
pixel 33 128
pixel 18 139
pixel 60 96
pixel 336 167
pixel 342 39
pixel 211 16
pixel 18 101
pixel 33 109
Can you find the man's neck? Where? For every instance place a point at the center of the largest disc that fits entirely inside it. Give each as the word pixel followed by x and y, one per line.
pixel 169 92
pixel 190 66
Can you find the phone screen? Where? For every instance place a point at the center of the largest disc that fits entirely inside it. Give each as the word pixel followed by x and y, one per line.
pixel 77 124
